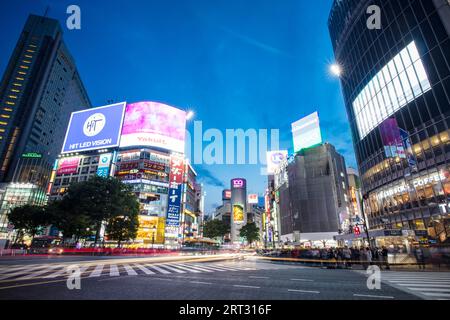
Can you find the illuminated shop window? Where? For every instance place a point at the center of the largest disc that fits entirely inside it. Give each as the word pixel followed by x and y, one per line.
pixel 399 82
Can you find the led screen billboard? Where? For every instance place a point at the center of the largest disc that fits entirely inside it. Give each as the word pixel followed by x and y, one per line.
pixel 238 213
pixel 392 139
pixel 95 128
pixel 306 132
pixel 154 124
pixel 274 159
pixel 68 165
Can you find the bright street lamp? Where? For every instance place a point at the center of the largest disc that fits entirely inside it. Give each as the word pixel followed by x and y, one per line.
pixel 189 115
pixel 336 69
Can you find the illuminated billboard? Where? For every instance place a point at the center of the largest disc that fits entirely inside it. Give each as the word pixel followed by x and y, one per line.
pixel 392 139
pixel 95 128
pixel 306 132
pixel 252 199
pixel 154 124
pixel 68 165
pixel 238 183
pixel 274 159
pixel 238 213
pixel 226 194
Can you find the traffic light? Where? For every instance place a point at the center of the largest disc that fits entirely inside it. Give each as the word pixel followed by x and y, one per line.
pixel 356 230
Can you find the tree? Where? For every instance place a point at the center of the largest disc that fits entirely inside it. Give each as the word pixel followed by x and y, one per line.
pixel 123 228
pixel 215 229
pixel 28 219
pixel 250 232
pixel 91 203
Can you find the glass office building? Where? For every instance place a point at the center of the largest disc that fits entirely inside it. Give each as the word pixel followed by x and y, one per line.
pixel 396 87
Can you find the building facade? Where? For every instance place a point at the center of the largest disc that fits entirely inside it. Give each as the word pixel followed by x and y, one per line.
pixel 311 195
pixel 396 87
pixel 39 90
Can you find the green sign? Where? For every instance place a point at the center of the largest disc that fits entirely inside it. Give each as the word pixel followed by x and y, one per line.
pixel 31 155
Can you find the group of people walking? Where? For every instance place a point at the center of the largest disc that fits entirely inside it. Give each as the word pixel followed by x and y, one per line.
pixel 365 256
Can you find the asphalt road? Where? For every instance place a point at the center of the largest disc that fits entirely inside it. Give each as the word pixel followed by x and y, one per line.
pixel 207 279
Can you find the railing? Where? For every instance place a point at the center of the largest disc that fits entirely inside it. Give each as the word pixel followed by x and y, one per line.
pixel 12 252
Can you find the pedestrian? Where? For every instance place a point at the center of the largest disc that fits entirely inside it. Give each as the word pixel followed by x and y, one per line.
pixel 369 256
pixel 420 258
pixel 363 257
pixel 347 257
pixel 384 257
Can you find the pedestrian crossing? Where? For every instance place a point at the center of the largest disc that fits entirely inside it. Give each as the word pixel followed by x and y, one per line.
pixel 426 285
pixel 102 269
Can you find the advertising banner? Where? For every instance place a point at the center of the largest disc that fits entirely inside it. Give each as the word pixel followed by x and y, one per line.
pixel 238 183
pixel 95 128
pixel 252 199
pixel 391 139
pixel 68 165
pixel 275 159
pixel 104 164
pixel 154 124
pixel 175 191
pixel 306 132
pixel 226 194
pixel 238 213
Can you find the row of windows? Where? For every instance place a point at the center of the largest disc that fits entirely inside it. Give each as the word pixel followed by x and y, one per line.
pixel 402 80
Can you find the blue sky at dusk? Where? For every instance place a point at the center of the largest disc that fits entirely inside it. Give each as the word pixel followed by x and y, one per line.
pixel 258 64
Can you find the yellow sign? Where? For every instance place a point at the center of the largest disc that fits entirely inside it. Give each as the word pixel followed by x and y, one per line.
pixel 151 229
pixel 238 213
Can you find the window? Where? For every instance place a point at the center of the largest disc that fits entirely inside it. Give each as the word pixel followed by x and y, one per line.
pixel 400 81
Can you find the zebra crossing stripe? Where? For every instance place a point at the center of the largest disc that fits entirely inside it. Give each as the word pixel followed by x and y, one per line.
pixel 202 268
pixel 213 267
pixel 423 284
pixel 64 271
pixel 173 269
pixel 158 269
pixel 113 271
pixel 144 269
pixel 130 270
pixel 230 268
pixel 430 289
pixel 189 268
pixel 447 295
pixel 40 272
pixel 18 273
pixel 97 271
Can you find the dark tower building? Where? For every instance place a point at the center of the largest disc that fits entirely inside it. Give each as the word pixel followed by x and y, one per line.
pixel 39 90
pixel 396 87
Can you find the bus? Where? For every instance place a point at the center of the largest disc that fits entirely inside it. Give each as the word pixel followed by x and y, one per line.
pixel 46 245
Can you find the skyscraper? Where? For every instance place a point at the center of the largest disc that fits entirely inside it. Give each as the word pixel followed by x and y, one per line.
pixel 39 90
pixel 396 87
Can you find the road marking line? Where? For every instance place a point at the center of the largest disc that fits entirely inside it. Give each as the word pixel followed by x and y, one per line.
pixel 173 269
pixel 303 291
pixel 201 269
pixel 10 275
pixel 243 286
pixel 229 268
pixel 38 273
pixel 256 277
pixel 200 282
pixel 130 270
pixel 372 296
pixel 302 280
pixel 423 284
pixel 97 271
pixel 63 271
pixel 429 289
pixel 158 269
pixel 436 294
pixel 113 271
pixel 190 269
pixel 144 269
pixel 213 267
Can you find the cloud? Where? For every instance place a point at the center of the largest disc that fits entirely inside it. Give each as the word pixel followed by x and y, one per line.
pixel 256 43
pixel 209 178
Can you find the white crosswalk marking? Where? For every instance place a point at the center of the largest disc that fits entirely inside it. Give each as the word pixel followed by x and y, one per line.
pixel 211 267
pixel 20 272
pixel 144 269
pixel 113 271
pixel 97 271
pixel 173 269
pixel 163 271
pixel 130 270
pixel 38 273
pixel 190 268
pixel 65 272
pixel 202 268
pixel 431 285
